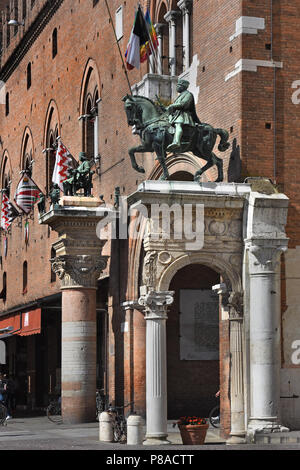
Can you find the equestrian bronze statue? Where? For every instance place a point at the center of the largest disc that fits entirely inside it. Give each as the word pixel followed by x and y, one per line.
pixel 175 129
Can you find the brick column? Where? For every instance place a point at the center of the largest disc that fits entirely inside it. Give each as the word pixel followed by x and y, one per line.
pixel 78 380
pixel 78 264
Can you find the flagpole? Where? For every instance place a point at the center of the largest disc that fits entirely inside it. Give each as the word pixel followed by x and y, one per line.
pixel 113 27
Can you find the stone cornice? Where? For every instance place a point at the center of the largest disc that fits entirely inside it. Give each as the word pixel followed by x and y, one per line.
pixel 35 29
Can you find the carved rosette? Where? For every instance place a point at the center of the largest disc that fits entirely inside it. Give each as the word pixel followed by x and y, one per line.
pixel 78 271
pixel 156 304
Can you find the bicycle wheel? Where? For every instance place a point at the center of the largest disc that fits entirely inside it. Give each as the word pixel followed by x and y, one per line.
pixel 3 414
pixel 54 413
pixel 214 417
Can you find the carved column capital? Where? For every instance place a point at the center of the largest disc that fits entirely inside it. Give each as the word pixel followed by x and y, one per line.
pixel 156 304
pixel 185 6
pixel 160 28
pixel 171 16
pixel 264 255
pixel 236 306
pixel 78 271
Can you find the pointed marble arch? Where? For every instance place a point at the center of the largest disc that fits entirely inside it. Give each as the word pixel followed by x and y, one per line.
pixel 27 144
pixel 90 83
pixel 52 120
pixel 184 162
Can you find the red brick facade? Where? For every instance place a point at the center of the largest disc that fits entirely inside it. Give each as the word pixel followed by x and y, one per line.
pixel 255 107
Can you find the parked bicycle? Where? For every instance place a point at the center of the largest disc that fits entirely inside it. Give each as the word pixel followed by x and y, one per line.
pixel 214 415
pixel 3 414
pixel 101 402
pixel 54 411
pixel 119 422
pixel 54 408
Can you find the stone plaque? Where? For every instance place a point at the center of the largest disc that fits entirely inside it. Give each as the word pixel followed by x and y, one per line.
pixel 199 325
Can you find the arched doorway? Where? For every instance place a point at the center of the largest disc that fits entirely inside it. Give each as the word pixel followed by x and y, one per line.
pixel 193 342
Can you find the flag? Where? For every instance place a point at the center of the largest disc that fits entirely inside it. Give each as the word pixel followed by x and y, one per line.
pixel 27 193
pixel 151 30
pixel 63 163
pixel 137 47
pixel 8 212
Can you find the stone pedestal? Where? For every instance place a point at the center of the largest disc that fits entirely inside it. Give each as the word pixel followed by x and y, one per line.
pixel 78 264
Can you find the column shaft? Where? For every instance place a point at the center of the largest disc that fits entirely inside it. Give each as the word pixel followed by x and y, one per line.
pixel 78 355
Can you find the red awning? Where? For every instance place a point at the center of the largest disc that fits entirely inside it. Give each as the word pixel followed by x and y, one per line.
pixel 23 323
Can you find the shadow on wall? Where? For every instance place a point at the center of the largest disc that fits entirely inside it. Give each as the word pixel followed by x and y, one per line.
pixel 235 164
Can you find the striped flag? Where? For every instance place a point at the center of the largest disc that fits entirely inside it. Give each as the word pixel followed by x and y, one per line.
pixel 153 39
pixel 63 162
pixel 27 193
pixel 8 212
pixel 138 46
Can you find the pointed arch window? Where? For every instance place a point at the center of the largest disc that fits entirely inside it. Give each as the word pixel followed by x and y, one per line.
pixel 25 278
pixel 7 104
pixel 29 78
pixel 54 43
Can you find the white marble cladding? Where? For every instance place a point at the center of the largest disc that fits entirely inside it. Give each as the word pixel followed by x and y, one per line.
pixel 153 85
pixel 226 189
pixel 248 25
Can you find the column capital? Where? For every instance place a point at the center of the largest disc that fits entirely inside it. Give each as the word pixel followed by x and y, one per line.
pixel 172 15
pixel 156 303
pixel 236 306
pixel 159 28
pixel 264 254
pixel 78 271
pixel 185 5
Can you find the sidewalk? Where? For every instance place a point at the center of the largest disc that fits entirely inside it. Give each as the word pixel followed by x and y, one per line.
pixel 38 433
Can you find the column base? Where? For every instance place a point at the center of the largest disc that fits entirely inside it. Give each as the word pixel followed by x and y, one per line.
pixel 235 439
pixel 156 440
pixel 263 426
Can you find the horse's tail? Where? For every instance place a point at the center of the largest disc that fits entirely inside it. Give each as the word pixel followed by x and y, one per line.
pixel 224 144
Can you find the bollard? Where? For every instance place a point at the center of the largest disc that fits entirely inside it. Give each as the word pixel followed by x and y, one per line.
pixel 135 435
pixel 105 427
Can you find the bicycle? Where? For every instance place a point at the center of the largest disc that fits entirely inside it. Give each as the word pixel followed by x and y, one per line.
pixel 54 411
pixel 101 402
pixel 3 411
pixel 54 408
pixel 214 415
pixel 119 422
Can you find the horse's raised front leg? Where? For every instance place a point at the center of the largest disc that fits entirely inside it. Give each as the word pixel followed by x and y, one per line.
pixel 132 153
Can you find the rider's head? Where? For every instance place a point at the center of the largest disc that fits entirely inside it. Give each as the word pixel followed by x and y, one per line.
pixel 182 85
pixel 82 156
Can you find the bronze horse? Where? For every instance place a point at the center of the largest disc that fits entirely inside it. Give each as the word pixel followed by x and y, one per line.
pixel 152 124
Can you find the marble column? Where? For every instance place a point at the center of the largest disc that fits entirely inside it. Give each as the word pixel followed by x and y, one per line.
pixel 156 304
pixel 170 17
pixel 185 6
pixel 159 28
pixel 238 431
pixel 264 275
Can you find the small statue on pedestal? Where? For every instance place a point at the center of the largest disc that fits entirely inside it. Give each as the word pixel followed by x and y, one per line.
pixel 79 178
pixel 42 204
pixel 55 194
